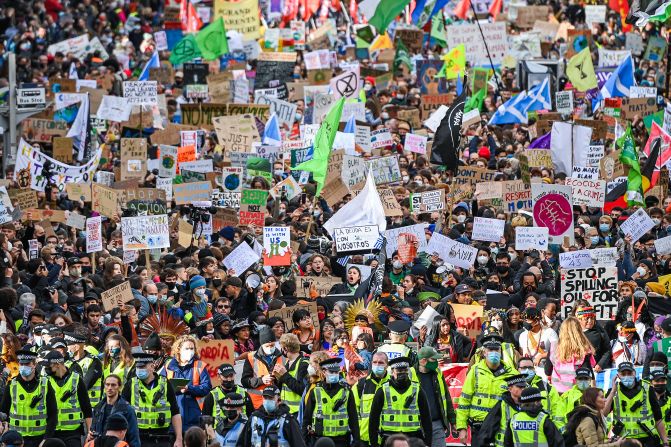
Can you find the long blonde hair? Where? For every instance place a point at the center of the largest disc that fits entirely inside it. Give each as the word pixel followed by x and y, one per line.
pixel 573 345
pixel 177 346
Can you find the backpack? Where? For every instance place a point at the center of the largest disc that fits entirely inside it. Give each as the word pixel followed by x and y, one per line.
pixel 574 418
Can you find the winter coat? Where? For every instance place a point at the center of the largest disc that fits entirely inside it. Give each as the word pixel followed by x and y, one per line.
pixel 590 434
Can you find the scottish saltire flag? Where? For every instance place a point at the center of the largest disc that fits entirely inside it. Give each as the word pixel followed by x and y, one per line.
pixel 605 377
pixel 271 135
pixel 514 111
pixel 153 62
pixel 618 84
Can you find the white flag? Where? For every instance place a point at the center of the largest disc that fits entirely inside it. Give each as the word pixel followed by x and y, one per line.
pixel 364 209
pixel 80 126
pixel 73 71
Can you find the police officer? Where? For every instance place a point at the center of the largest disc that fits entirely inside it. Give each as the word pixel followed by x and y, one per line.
pixel 398 335
pixel 483 387
pixel 364 392
pixel 494 426
pixel 92 367
pixel 211 405
pixel 532 427
pixel 154 400
pixel 551 399
pixel 636 411
pixel 572 397
pixel 659 381
pixel 229 425
pixel 400 406
pixel 271 425
pixel 330 409
pixel 72 400
pixel 58 344
pixel 30 412
pixel 291 373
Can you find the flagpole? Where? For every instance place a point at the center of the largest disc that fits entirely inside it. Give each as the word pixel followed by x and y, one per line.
pixel 307 231
pixel 489 56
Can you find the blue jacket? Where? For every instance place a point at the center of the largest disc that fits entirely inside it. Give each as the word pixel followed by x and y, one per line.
pixel 188 405
pixel 123 408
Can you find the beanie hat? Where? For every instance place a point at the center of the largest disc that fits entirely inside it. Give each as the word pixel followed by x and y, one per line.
pixel 116 422
pixel 266 335
pixel 227 233
pixel 196 281
pixel 484 152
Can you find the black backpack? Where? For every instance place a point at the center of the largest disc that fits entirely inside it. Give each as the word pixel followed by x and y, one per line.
pixel 574 418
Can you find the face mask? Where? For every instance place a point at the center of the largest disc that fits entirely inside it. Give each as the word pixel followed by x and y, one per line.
pixel 200 293
pixel 656 368
pixel 513 256
pixel 398 265
pixel 497 324
pixel 311 370
pixel 582 384
pixel 75 272
pixel 231 414
pixel 406 179
pixel 402 379
pixel 332 378
pixel 529 372
pixel 604 227
pixel 141 373
pixel 115 351
pixel 641 271
pixel 594 239
pixel 298 117
pixel 659 388
pixel 269 405
pixel 622 339
pixel 483 260
pixel 379 370
pixel 401 97
pixel 367 87
pixel 152 298
pixel 268 350
pixel 25 371
pixel 171 285
pixel 461 218
pixel 87 269
pixel 278 172
pixel 494 357
pixel 493 285
pixel 526 326
pixel 217 282
pixel 186 354
pixel 384 115
pixel 628 381
pixel 432 366
pixel 656 221
pixel 502 268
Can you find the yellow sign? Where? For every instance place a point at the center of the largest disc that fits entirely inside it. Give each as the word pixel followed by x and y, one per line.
pixel 239 15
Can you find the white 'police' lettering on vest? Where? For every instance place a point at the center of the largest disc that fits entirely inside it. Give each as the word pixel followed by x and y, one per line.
pixel 526 425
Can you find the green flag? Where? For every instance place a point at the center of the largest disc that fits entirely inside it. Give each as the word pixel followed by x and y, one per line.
pixel 185 50
pixel 402 56
pixel 476 101
pixel 212 40
pixel 385 12
pixel 580 71
pixel 322 146
pixel 629 157
pixel 438 30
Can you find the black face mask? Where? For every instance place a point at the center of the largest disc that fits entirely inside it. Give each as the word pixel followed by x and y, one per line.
pixel 228 384
pixel 403 379
pixel 171 285
pixel 216 282
pixel 502 268
pixel 659 388
pixel 493 285
pixel 86 269
pixel 526 326
pixel 231 414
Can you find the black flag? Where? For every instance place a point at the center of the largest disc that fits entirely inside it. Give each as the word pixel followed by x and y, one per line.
pixel 445 150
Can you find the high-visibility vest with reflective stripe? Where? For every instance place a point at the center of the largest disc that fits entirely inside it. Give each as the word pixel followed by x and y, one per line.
pixel 95 391
pixel 397 416
pixel 120 370
pixel 326 419
pixel 150 403
pixel 230 439
pixel 28 410
pixel 260 370
pixel 70 415
pixel 666 414
pixel 293 400
pixel 569 400
pixel 198 368
pixel 528 431
pixel 622 411
pixel 507 412
pixel 218 412
pixel 260 430
pixel 364 403
pixel 394 350
pixel 481 390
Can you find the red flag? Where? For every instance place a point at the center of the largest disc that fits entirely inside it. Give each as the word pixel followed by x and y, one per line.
pixel 461 10
pixel 495 8
pixel 190 21
pixel 622 7
pixel 309 8
pixel 289 13
pixel 354 11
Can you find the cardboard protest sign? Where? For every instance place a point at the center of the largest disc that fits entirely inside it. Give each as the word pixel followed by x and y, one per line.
pixel 145 200
pixel 391 206
pixel 452 252
pixel 553 209
pixel 133 158
pixel 94 238
pixel 215 353
pixel 427 201
pixel 597 285
pixel 286 314
pixel 105 200
pixel 276 246
pixel 117 297
pixel 531 238
pixel 356 238
pixel 23 198
pixel 188 193
pixel 490 230
pixel 75 220
pixel 469 317
pixel 63 149
pixel 240 259
pixel 241 16
pixel 321 285
pixel 637 225
pixel 473 176
pixel 145 232
pixel 391 235
pixel 253 207
pixel 491 190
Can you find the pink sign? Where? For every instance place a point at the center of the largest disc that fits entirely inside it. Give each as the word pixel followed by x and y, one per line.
pixel 555 212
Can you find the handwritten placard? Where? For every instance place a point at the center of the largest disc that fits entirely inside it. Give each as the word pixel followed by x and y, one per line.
pixel 117 296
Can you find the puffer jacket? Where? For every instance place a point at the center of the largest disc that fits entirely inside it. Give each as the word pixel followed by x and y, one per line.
pixel 590 434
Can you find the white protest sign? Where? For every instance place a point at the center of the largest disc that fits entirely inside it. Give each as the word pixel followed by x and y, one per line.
pixel 634 43
pixel 666 125
pixel 362 137
pixel 392 237
pixel 594 154
pixel 490 230
pixel 612 58
pixel 94 237
pixel 637 225
pixel 203 165
pixel 161 39
pixel 145 232
pixel 580 259
pixel 415 143
pixel 345 85
pixel 604 256
pixel 476 51
pixel 663 245
pixel 636 91
pixel 355 238
pixel 595 14
pixel 140 93
pixel 597 285
pixel 586 172
pixel 531 238
pixel 166 185
pixel 75 220
pixel 240 259
pixel 168 165
pixel 285 111
pixel 451 251
pixel 564 101
pixel 380 138
pixel 385 169
pixel 587 192
pixel 345 141
pixel 276 246
pixel 436 117
pixel 62 100
pixel 114 108
pixel 553 209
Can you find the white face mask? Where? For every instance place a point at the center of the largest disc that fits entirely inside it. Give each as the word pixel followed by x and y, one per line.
pixel 483 260
pixel 622 339
pixel 513 256
pixel 461 218
pixel 641 271
pixel 311 370
pixel 268 349
pixel 498 324
pixel 186 354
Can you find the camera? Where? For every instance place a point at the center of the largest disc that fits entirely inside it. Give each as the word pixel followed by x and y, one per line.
pixel 196 214
pixel 319 244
